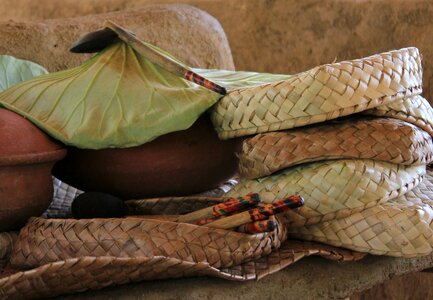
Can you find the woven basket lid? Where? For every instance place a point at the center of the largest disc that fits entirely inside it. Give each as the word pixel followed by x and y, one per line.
pixel 323 93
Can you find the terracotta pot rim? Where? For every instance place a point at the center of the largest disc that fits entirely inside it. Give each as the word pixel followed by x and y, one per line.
pixel 33 158
pixel 40 206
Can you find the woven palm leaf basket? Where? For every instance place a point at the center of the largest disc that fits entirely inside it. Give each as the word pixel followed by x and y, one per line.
pixel 57 256
pixel 364 179
pixel 325 93
pixel 364 175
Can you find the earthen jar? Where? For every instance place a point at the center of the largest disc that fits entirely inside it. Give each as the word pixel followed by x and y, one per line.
pixel 179 163
pixel 27 156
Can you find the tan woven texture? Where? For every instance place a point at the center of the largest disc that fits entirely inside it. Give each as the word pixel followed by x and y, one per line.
pixel 80 274
pixel 333 189
pixel 382 139
pixel 323 93
pixel 401 227
pixel 48 240
pixel 415 110
pixel 104 252
pixel 170 205
pixel 7 240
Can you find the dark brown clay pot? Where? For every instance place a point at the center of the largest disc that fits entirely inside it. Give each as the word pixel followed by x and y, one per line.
pixel 180 163
pixel 27 156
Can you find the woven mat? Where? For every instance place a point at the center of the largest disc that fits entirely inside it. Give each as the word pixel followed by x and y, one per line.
pixel 89 272
pixel 80 274
pixel 63 196
pixel 401 227
pixel 44 241
pixel 383 139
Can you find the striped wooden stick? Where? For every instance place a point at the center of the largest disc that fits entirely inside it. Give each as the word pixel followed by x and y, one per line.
pixel 258 226
pixel 257 214
pixel 226 208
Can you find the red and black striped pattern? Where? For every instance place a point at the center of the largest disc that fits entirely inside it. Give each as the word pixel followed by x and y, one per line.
pixel 236 205
pixel 258 226
pixel 266 210
pixel 231 206
pixel 200 80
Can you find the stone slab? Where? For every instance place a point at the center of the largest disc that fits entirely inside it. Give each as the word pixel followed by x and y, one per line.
pixel 310 278
pixel 407 287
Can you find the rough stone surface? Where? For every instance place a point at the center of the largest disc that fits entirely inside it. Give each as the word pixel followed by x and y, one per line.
pixel 311 278
pixel 187 32
pixel 285 36
pixel 407 287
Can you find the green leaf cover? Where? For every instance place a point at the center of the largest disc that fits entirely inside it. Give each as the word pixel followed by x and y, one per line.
pixel 13 71
pixel 116 99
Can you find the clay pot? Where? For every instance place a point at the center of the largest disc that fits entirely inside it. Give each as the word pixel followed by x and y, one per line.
pixel 180 163
pixel 27 156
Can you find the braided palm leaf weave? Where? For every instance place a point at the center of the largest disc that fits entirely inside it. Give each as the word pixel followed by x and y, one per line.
pixel 387 140
pixel 323 93
pixel 89 272
pixel 7 239
pixel 170 205
pixel 415 110
pixel 333 189
pixel 60 275
pixel 400 227
pixel 48 240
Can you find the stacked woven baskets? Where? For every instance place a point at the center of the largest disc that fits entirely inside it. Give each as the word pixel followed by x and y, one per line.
pixel 363 176
pixel 364 179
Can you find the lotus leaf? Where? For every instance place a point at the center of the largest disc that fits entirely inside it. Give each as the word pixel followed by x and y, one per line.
pixel 13 71
pixel 118 98
pixel 115 99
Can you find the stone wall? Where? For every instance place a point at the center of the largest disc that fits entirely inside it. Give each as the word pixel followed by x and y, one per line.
pixel 189 33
